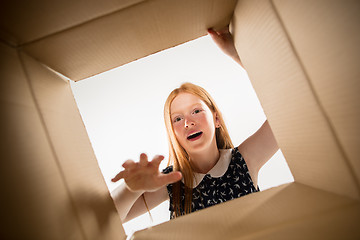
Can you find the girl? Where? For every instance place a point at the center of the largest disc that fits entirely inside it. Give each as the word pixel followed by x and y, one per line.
pixel 205 167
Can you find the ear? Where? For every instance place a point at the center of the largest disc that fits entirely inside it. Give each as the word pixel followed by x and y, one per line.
pixel 217 121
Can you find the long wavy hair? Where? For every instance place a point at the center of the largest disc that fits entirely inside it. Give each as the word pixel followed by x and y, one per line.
pixel 178 157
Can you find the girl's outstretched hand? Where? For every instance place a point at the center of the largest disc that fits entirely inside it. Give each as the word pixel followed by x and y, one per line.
pixel 145 175
pixel 225 42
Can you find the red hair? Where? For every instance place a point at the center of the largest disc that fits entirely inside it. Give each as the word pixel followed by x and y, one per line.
pixel 178 157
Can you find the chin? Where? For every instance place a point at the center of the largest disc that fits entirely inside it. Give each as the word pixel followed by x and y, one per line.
pixel 197 149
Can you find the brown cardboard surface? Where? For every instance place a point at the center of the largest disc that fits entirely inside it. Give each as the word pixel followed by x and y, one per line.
pixel 26 21
pixel 340 223
pixel 257 215
pixel 52 186
pixel 329 50
pixel 121 37
pixel 302 129
pixel 74 155
pixel 35 202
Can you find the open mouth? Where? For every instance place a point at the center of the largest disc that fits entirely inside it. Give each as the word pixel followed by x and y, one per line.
pixel 194 136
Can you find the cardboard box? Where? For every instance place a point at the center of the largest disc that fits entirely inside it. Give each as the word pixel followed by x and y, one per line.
pixel 302 58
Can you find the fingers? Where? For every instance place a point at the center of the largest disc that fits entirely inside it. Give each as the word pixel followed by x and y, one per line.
pixel 157 160
pixel 212 32
pixel 214 35
pixel 129 164
pixel 224 30
pixel 143 160
pixel 131 167
pixel 119 176
pixel 220 32
pixel 170 178
pixel 219 39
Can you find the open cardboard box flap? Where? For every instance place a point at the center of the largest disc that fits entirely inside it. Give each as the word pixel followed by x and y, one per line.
pixel 261 216
pixel 301 58
pixel 81 40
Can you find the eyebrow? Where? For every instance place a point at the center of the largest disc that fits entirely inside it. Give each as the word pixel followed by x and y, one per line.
pixel 192 106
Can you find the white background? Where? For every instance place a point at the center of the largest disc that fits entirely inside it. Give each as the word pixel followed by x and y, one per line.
pixel 122 110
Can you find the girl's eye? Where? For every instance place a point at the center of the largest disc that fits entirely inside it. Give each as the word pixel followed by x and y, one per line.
pixel 177 119
pixel 197 111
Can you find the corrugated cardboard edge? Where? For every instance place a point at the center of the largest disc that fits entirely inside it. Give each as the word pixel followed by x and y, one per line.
pixel 36 29
pixel 263 214
pixel 73 153
pixel 328 50
pixel 151 26
pixel 290 103
pixel 64 190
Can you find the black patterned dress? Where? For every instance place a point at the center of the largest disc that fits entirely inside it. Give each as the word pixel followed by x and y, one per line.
pixel 211 190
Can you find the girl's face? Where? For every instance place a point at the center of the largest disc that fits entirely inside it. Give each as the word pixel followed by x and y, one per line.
pixel 193 123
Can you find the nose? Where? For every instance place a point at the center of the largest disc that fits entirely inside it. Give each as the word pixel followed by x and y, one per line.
pixel 188 123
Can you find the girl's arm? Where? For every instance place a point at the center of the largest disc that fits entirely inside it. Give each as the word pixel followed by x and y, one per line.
pixel 141 178
pixel 225 42
pixel 131 204
pixel 261 146
pixel 258 149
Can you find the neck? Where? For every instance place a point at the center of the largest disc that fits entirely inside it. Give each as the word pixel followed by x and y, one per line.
pixel 204 161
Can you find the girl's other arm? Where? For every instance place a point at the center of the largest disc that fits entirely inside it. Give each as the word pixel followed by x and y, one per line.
pixel 142 177
pixel 261 146
pixel 224 40
pixel 131 204
pixel 258 148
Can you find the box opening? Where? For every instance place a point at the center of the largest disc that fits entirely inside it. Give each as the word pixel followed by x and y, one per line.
pixel 122 110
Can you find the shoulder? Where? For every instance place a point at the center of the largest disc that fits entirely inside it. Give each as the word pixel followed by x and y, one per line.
pixel 168 169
